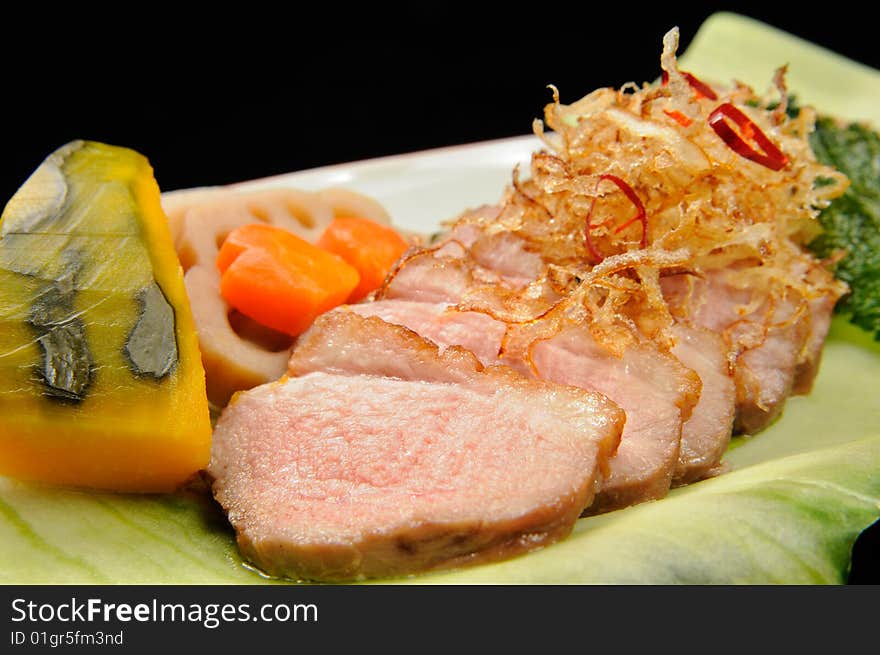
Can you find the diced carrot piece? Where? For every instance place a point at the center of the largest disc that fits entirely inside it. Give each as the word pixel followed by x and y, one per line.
pixel 280 280
pixel 370 247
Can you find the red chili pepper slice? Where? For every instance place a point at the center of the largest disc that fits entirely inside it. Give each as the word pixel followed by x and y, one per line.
pixel 639 216
pixel 678 117
pixel 703 90
pixel 769 155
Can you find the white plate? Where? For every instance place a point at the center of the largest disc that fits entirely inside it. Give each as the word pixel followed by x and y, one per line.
pixel 418 189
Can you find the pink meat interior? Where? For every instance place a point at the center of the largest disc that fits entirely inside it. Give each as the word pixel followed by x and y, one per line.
pixel 371 451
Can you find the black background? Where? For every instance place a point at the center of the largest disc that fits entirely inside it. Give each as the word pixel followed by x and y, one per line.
pixel 229 95
pixel 214 95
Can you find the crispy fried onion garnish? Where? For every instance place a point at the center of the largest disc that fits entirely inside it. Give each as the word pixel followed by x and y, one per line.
pixel 678 187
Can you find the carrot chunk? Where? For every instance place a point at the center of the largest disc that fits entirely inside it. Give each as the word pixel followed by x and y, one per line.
pixel 280 280
pixel 370 247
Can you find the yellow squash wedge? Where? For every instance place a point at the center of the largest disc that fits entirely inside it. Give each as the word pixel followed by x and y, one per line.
pixel 101 382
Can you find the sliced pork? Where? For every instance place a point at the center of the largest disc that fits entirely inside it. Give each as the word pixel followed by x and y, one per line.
pixel 821 310
pixel 494 273
pixel 654 389
pixel 382 457
pixel 442 324
pixel 706 434
pixel 434 276
pixel 501 252
pixel 767 338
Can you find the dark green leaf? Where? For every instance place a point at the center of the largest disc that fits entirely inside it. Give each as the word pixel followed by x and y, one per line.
pixel 852 222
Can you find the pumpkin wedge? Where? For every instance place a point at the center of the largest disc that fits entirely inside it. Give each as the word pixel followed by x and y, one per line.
pixel 101 382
